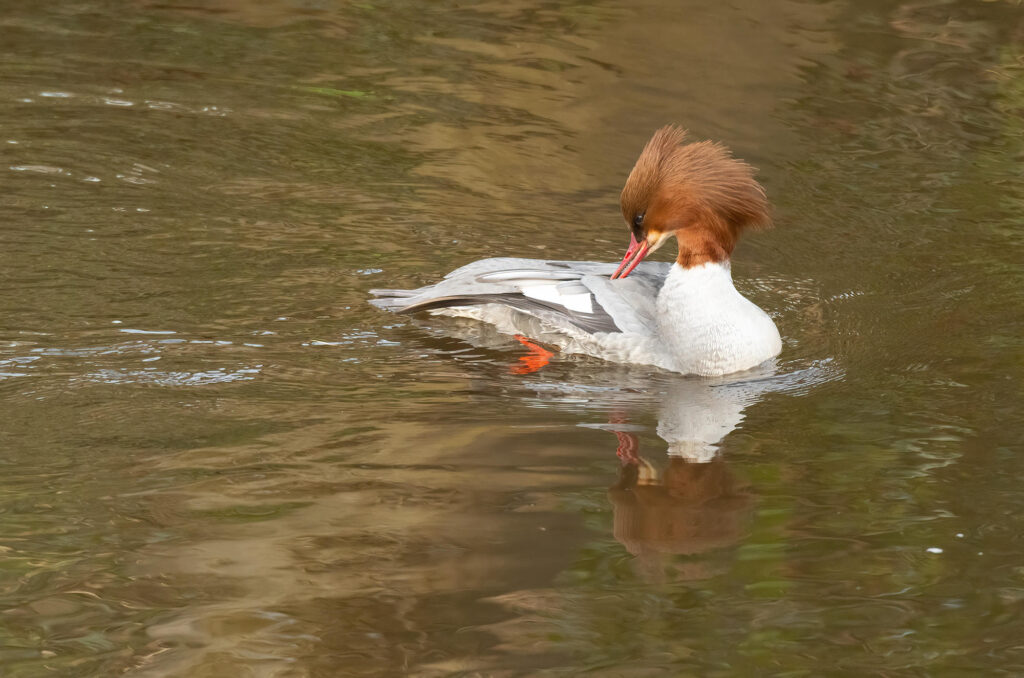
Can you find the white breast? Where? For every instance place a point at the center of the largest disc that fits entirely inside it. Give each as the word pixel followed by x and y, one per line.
pixel 706 327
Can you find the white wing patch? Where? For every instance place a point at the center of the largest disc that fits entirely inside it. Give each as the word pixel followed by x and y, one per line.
pixel 571 295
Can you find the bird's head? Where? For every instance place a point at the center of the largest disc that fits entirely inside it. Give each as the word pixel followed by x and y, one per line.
pixel 697 192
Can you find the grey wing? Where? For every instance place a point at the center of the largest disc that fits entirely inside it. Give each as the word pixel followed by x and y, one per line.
pixel 576 292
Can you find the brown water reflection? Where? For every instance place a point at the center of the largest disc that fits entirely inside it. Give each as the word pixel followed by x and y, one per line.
pixel 219 460
pixel 690 507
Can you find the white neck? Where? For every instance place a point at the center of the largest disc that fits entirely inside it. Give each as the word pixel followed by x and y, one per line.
pixel 709 328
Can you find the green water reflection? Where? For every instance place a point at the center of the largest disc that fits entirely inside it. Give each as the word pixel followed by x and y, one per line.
pixel 218 460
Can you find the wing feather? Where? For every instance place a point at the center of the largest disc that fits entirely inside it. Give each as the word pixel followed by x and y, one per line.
pixel 578 293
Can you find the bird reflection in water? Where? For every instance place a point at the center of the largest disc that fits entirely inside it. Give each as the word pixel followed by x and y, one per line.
pixel 685 507
pixel 678 501
pixel 688 501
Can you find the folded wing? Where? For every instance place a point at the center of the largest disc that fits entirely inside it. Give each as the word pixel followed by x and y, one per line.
pixel 574 293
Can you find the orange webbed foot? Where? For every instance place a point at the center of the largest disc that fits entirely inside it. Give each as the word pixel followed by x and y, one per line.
pixel 536 359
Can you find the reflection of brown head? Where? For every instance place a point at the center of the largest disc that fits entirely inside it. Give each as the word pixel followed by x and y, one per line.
pixel 697 192
pixel 692 509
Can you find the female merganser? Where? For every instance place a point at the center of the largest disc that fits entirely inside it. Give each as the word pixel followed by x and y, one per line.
pixel 686 317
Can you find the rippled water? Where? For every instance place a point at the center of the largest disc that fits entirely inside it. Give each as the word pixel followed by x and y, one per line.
pixel 218 460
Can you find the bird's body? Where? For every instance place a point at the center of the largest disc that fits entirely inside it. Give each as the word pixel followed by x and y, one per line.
pixel 686 317
pixel 689 320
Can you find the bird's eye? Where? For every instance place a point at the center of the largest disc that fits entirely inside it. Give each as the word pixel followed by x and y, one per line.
pixel 638 221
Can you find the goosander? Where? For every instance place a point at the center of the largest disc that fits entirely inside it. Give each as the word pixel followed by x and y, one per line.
pixel 685 317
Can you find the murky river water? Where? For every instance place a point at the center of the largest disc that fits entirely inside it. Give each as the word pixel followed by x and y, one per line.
pixel 218 460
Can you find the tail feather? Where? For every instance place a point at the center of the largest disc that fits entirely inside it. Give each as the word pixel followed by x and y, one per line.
pixel 393 293
pixel 448 302
pixel 395 304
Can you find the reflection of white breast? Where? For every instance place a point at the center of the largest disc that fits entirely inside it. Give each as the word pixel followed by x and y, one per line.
pixel 696 415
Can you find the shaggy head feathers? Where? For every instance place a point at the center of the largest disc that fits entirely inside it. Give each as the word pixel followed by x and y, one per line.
pixel 698 191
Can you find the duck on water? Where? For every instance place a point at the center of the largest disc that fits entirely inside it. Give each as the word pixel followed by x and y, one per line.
pixel 686 317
